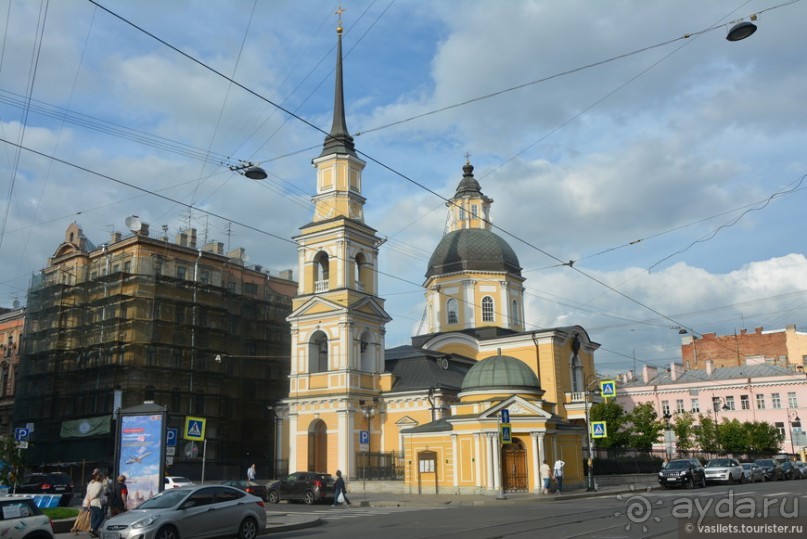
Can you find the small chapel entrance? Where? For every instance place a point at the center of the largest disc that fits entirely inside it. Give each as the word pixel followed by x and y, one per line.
pixel 317 447
pixel 514 466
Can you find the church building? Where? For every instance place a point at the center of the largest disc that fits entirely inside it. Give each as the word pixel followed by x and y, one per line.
pixel 439 401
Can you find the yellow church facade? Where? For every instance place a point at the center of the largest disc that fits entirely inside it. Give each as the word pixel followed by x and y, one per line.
pixel 435 404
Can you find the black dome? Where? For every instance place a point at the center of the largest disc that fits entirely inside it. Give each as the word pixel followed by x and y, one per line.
pixel 473 249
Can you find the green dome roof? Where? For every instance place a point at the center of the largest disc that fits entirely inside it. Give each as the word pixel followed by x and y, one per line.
pixel 500 372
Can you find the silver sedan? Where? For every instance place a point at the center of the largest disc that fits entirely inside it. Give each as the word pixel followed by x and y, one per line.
pixel 191 513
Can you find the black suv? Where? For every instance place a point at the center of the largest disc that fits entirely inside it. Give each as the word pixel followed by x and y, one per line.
pixel 48 483
pixel 309 487
pixel 771 469
pixel 682 472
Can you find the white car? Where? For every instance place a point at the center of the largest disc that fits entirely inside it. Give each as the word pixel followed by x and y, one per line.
pixel 724 471
pixel 175 481
pixel 21 518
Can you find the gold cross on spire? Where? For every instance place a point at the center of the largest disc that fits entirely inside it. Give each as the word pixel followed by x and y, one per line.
pixel 467 158
pixel 338 13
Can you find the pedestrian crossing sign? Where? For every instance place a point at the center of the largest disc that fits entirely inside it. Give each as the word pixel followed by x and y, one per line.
pixel 608 388
pixel 598 429
pixel 195 428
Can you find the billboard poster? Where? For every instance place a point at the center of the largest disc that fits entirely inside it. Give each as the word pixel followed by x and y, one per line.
pixel 140 455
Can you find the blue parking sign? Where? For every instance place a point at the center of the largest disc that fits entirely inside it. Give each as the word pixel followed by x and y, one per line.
pixel 171 437
pixel 21 434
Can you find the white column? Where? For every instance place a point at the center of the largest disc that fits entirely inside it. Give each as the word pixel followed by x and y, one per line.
pixel 469 304
pixel 477 463
pixel 292 442
pixel 504 307
pixel 497 476
pixel 489 460
pixel 344 435
pixel 457 461
pixel 536 462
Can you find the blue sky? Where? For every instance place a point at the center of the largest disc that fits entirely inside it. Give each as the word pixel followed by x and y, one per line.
pixel 668 170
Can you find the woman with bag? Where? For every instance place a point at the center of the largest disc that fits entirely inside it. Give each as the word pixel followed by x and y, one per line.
pixel 82 523
pixel 94 503
pixel 339 490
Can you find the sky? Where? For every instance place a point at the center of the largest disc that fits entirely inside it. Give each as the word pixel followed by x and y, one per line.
pixel 647 181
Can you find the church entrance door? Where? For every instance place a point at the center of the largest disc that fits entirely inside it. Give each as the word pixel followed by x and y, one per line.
pixel 317 447
pixel 514 466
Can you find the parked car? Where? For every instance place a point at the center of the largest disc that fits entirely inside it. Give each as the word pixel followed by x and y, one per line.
pixel 20 518
pixel 256 489
pixel 789 470
pixel 752 472
pixel 48 483
pixel 310 487
pixel 770 468
pixel 724 471
pixel 682 472
pixel 802 468
pixel 175 481
pixel 194 512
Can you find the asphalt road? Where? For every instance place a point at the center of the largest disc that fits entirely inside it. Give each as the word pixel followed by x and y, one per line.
pixel 691 514
pixel 659 513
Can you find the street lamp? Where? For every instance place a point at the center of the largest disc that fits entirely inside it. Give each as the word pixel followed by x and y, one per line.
pixel 793 417
pixel 590 487
pixel 250 170
pixel 741 30
pixel 716 407
pixel 369 412
pixel 668 436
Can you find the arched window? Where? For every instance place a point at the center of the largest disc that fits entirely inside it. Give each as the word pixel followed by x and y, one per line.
pixel 367 353
pixel 487 309
pixel 451 310
pixel 360 277
pixel 514 313
pixel 321 272
pixel 318 353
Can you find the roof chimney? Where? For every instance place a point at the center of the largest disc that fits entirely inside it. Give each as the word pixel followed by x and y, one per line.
pixel 648 373
pixel 676 370
pixel 710 367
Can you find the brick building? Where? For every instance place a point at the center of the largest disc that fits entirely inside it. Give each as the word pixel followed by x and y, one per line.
pixel 786 347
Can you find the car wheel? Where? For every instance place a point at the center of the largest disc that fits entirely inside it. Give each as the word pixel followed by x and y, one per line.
pixel 731 479
pixel 273 496
pixel 703 482
pixel 248 529
pixel 308 497
pixel 168 532
pixel 742 479
pixel 691 482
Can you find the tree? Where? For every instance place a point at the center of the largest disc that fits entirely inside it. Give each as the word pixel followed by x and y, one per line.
pixel 10 460
pixel 684 428
pixel 706 436
pixel 615 420
pixel 763 438
pixel 646 427
pixel 733 436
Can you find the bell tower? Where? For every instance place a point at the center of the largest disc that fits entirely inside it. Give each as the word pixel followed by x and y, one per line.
pixel 337 320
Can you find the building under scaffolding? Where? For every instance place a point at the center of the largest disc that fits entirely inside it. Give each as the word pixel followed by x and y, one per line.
pixel 145 319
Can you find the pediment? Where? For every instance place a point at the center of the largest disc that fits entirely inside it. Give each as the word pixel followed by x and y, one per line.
pixel 318 305
pixel 518 407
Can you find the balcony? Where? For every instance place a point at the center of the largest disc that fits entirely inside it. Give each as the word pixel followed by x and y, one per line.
pixel 575 403
pixel 321 286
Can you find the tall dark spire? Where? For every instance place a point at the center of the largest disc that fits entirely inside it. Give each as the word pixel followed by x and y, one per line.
pixel 339 139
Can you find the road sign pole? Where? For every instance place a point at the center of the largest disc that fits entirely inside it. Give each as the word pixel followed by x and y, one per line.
pixel 590 485
pixel 204 458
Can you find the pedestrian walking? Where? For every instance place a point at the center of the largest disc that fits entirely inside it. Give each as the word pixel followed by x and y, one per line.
pixel 94 503
pixel 251 473
pixel 339 490
pixel 558 471
pixel 546 477
pixel 120 496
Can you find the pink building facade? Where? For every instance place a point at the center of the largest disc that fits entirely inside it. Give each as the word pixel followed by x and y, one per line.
pixel 770 393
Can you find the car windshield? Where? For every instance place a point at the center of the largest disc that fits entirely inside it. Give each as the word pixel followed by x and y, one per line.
pixel 719 463
pixel 178 479
pixel 164 500
pixel 748 466
pixel 677 465
pixel 765 462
